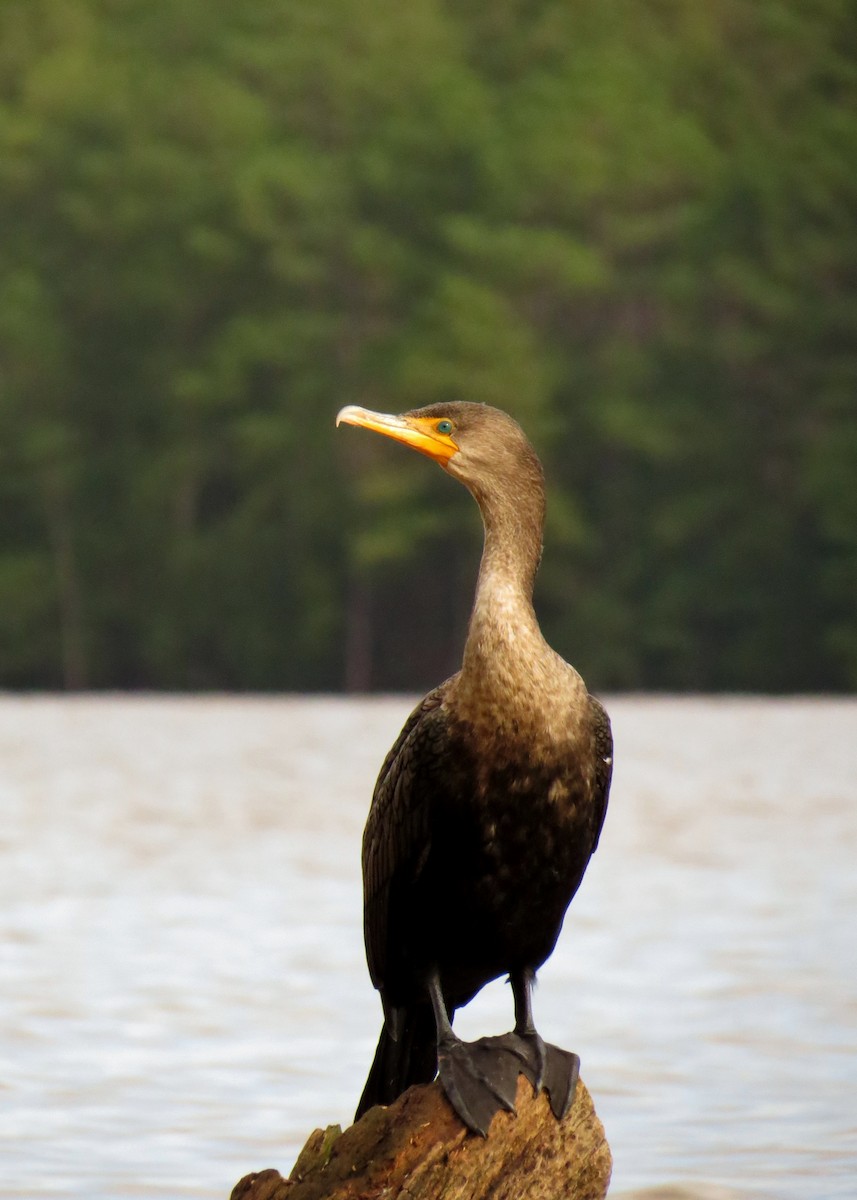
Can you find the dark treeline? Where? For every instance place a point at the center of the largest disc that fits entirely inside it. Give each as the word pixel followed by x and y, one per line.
pixel 631 224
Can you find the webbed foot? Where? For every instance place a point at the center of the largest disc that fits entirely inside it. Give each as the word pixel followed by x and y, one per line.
pixel 556 1070
pixel 546 1066
pixel 479 1078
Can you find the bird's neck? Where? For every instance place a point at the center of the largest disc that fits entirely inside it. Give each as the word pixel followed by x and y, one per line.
pixel 512 685
pixel 504 632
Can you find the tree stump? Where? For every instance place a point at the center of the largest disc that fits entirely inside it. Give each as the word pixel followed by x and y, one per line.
pixel 418 1149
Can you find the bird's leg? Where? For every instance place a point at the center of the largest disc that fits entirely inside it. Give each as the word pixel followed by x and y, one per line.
pixel 551 1068
pixel 522 991
pixel 478 1079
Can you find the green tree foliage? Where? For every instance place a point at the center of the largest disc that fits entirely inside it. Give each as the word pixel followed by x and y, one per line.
pixel 630 224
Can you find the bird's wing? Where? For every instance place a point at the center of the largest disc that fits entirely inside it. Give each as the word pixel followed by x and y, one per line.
pixel 603 764
pixel 397 838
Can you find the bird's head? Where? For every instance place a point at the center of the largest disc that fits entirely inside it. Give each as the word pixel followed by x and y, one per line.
pixel 476 443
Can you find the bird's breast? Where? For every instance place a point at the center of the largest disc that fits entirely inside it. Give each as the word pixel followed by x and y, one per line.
pixel 516 840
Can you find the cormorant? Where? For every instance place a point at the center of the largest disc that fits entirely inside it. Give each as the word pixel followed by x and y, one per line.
pixel 489 805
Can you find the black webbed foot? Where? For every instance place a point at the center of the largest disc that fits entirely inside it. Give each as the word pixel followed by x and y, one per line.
pixel 552 1068
pixel 546 1066
pixel 562 1071
pixel 556 1070
pixel 479 1078
pixel 525 1051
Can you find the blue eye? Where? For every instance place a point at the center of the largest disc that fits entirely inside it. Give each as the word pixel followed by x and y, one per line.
pixel 444 427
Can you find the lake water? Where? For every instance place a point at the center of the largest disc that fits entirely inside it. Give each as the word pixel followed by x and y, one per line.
pixel 183 995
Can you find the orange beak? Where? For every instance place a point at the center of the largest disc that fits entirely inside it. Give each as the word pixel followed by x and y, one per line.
pixel 420 433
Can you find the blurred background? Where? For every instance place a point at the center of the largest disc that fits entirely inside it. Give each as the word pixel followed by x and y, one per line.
pixel 632 225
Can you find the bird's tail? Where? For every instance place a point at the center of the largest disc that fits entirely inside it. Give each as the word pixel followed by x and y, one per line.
pixel 409 1058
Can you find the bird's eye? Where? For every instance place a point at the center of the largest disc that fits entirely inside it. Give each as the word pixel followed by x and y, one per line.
pixel 444 427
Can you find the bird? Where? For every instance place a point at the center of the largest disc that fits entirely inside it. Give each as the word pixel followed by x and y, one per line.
pixel 489 805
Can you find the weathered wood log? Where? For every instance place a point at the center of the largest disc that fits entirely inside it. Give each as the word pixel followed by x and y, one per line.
pixel 419 1149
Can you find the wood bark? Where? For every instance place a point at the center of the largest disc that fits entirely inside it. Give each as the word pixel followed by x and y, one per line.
pixel 418 1149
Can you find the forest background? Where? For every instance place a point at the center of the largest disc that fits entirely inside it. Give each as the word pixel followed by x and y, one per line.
pixel 632 224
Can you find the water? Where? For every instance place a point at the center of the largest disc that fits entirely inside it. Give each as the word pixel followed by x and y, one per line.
pixel 183 995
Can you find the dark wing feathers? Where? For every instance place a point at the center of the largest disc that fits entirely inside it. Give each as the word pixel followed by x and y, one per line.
pixel 397 837
pixel 603 764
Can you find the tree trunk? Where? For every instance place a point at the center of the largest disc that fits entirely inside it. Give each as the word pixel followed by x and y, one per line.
pixel 358 634
pixel 72 641
pixel 417 1148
